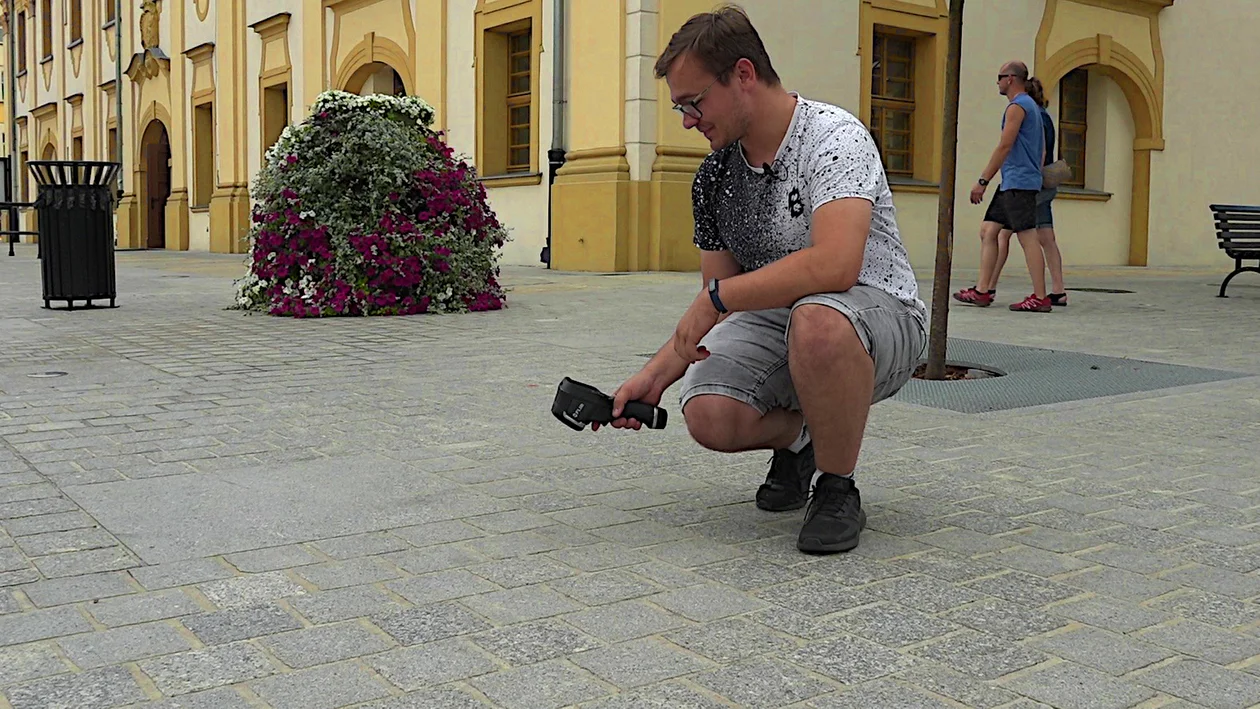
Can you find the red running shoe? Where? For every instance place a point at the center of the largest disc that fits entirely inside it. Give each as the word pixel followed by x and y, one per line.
pixel 971 296
pixel 1032 304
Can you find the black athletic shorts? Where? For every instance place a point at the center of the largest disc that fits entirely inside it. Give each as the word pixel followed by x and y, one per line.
pixel 1015 210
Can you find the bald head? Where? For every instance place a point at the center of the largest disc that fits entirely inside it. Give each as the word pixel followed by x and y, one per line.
pixel 1017 69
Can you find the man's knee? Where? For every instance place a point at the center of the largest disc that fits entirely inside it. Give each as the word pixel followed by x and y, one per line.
pixel 718 422
pixel 821 334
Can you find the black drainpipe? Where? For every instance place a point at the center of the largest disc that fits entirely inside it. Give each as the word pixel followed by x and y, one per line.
pixel 555 156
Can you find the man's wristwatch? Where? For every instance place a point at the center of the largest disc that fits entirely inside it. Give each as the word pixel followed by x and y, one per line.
pixel 713 295
pixel 983 182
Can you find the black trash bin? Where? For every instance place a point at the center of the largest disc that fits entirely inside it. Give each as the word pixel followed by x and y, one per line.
pixel 75 207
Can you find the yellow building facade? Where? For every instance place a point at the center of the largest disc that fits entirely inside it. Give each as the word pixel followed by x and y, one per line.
pixel 584 160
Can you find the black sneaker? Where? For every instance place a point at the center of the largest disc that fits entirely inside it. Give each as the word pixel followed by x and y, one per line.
pixel 835 517
pixel 787 484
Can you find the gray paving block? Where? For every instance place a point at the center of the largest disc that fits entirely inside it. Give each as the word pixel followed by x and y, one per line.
pixel 512 544
pixel 197 670
pixel 762 683
pixel 747 574
pixel 1208 608
pixel 626 620
pixel 93 587
pixel 923 593
pixel 27 662
pixel 435 558
pixel 440 586
pixel 667 575
pixel 1072 686
pixel 144 607
pixel 524 571
pixel 107 687
pixel 640 534
pixel 435 663
pixel 537 641
pixel 126 644
pixel 327 687
pixel 666 695
pixel 271 559
pixel 250 590
pixel 980 655
pixel 790 622
pixel 946 566
pixel 345 603
pixel 849 659
pixel 518 605
pixel 1202 641
pixel 81 539
pixel 597 557
pixel 1038 561
pixel 1020 587
pixel 221 627
pixel 639 662
pixel 180 573
pixel 965 690
pixel 707 602
pixel 730 640
pixel 30 626
pixel 1102 650
pixel 879 693
pixel 1136 560
pixel 426 624
pixel 325 644
pixel 1218 581
pixel 893 625
pixel 690 553
pixel 1012 621
pixel 355 572
pixel 1109 613
pixel 447 698
pixel 77 563
pixel 816 596
pixel 435 533
pixel 549 685
pixel 356 545
pixel 604 587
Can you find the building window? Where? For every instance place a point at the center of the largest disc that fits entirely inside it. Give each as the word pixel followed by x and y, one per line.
pixel 203 154
pixel 518 101
pixel 109 10
pixel 21 43
pixel 76 148
pixel 76 20
pixel 275 113
pixel 1073 113
pixel 892 101
pixel 45 17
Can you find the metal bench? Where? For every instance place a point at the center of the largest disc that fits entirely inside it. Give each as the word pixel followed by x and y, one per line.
pixel 1238 234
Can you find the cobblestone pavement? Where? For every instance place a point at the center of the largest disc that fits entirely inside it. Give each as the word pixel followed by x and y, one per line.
pixel 218 510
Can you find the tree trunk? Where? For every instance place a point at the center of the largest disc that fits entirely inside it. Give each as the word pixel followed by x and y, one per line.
pixel 938 336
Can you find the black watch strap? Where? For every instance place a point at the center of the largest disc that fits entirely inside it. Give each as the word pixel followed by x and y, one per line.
pixel 713 295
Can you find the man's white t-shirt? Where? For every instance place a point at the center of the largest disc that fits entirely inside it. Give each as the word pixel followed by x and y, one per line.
pixel 763 215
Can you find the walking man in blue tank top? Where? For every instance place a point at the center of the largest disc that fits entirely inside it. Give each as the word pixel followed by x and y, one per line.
pixel 1019 155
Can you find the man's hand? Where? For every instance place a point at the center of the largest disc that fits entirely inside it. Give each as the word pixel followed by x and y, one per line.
pixel 646 386
pixel 977 193
pixel 695 324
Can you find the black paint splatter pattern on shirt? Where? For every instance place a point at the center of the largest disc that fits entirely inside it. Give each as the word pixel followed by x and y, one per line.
pixel 762 215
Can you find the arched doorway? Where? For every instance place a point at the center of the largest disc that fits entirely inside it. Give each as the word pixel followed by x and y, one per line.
pixel 155 166
pixel 376 78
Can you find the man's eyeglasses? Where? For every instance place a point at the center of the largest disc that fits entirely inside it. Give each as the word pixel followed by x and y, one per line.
pixel 692 107
pixel 1004 76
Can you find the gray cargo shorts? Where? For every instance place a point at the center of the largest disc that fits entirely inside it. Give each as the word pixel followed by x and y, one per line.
pixel 748 351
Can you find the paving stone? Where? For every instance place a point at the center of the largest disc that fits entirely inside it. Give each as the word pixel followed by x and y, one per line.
pixel 56 592
pixel 796 624
pixel 413 668
pixel 879 693
pixel 77 563
pixel 437 533
pixel 143 608
pixel 639 662
pixel 518 605
pixel 126 644
pixel 707 603
pixel 345 603
pixel 537 641
pixel 440 586
pixel 604 587
pixel 598 557
pixel 251 590
pixel 1072 686
pixel 326 687
pixel 325 644
pixel 197 670
pixel 1136 560
pixel 426 624
pixel 357 545
pixel 107 687
pixel 947 566
pixel 282 557
pixel 965 690
pixel 70 540
pixel 666 695
pixel 627 620
pixel 525 571
pixel 19 628
pixel 1208 608
pixel 514 544
pixel 690 553
pixel 730 640
pixel 893 625
pixel 447 698
pixel 1028 589
pixel 12 560
pixel 667 575
pixel 1013 621
pixel 1101 650
pixel 849 659
pixel 1109 613
pixel 1218 581
pixel 1037 561
pixel 180 573
pixel 27 662
pixel 980 655
pixel 817 597
pixel 923 593
pixel 762 683
pixel 1202 641
pixel 228 626
pixel 355 572
pixel 549 685
pixel 220 698
pixel 749 573
pixel 1119 583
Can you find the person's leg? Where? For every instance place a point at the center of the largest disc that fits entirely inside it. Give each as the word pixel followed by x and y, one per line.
pixel 1003 249
pixel 980 294
pixel 730 403
pixel 846 351
pixel 1021 207
pixel 1050 246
